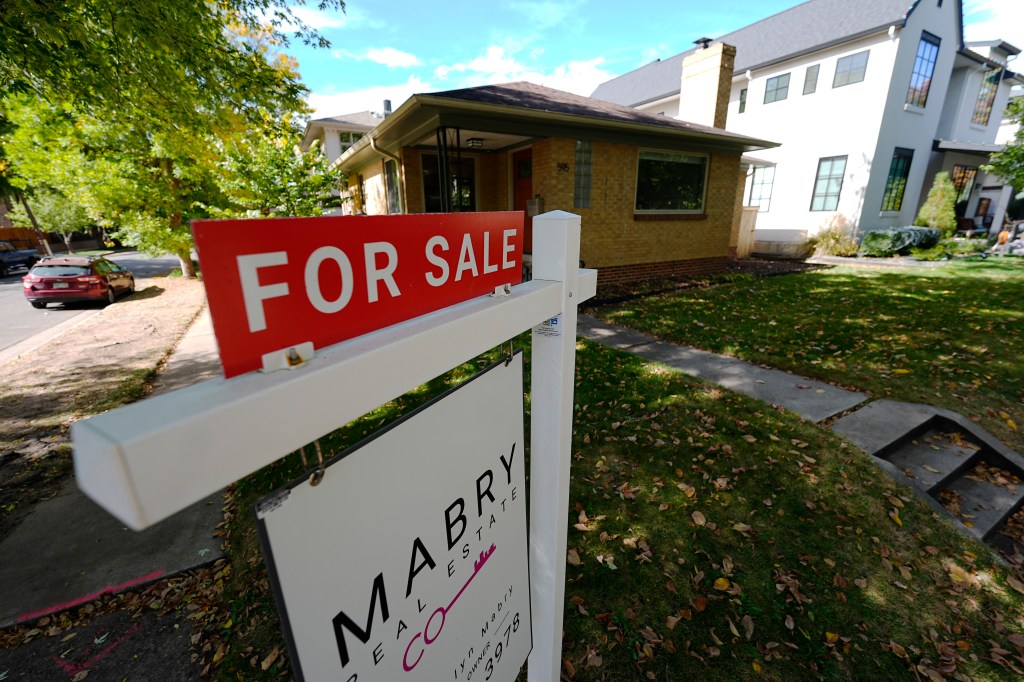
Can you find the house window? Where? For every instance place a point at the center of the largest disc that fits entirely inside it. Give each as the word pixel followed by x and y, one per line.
pixel 392 184
pixel 743 100
pixel 963 180
pixel 777 88
pixel 761 182
pixel 851 69
pixel 896 185
pixel 670 182
pixel 986 97
pixel 828 183
pixel 348 139
pixel 581 187
pixel 811 79
pixel 460 188
pixel 924 67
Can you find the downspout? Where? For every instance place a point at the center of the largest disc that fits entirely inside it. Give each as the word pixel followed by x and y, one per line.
pixel 398 163
pixel 384 153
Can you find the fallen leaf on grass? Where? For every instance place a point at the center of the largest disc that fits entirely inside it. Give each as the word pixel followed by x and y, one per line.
pixel 722 584
pixel 895 516
pixel 1015 584
pixel 573 557
pixel 698 518
pixel 748 626
pixel 271 657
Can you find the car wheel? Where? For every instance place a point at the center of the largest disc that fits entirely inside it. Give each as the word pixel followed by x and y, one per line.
pixel 131 286
pixel 38 305
pixel 3 270
pixel 111 296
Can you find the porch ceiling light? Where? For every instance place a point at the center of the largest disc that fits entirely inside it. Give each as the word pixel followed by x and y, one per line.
pixel 475 143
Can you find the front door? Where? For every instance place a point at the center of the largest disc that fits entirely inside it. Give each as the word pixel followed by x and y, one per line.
pixel 522 191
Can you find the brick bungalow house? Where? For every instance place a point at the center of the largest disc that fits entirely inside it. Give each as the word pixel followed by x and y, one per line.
pixel 658 197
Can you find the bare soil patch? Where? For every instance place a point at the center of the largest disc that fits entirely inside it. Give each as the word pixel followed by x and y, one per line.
pixel 107 361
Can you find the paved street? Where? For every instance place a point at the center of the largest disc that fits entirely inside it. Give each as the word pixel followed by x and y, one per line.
pixel 20 323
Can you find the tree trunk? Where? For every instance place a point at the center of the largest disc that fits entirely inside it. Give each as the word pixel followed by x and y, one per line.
pixel 32 217
pixel 188 270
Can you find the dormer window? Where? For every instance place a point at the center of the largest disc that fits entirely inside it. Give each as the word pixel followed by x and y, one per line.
pixel 348 139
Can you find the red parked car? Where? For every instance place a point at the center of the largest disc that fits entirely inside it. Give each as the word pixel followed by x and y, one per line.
pixel 65 279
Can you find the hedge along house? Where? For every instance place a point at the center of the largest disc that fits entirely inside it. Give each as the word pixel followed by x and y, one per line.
pixel 658 197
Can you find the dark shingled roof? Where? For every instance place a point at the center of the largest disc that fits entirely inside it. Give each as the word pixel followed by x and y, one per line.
pixel 807 27
pixel 524 95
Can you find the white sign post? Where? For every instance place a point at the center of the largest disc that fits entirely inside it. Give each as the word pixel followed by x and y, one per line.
pixel 148 460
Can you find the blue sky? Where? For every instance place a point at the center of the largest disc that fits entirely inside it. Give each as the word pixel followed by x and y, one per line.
pixel 391 49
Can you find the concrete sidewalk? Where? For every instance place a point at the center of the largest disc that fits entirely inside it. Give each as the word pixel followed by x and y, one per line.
pixel 69 551
pixel 812 400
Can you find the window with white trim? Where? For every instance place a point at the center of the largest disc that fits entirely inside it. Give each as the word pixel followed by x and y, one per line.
pixel 762 180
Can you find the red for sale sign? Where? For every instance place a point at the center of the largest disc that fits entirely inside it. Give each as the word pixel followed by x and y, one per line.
pixel 273 284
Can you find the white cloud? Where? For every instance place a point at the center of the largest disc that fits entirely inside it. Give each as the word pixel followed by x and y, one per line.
pixel 994 20
pixel 368 99
pixel 389 56
pixel 497 66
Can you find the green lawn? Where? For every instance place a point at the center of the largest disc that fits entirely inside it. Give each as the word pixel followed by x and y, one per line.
pixel 713 537
pixel 951 336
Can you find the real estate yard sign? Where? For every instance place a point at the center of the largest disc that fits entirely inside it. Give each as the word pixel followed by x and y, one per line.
pixel 416 588
pixel 409 560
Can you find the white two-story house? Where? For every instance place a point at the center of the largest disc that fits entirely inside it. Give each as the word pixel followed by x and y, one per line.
pixel 869 98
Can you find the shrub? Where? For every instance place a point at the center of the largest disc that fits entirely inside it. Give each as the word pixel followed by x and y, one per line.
pixel 948 248
pixel 893 241
pixel 939 209
pixel 836 238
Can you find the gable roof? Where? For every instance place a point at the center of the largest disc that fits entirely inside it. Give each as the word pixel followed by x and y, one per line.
pixel 359 122
pixel 530 110
pixel 810 26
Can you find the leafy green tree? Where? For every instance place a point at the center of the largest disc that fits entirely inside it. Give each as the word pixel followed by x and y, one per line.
pixel 182 62
pixel 1009 163
pixel 54 213
pixel 272 176
pixel 939 209
pixel 143 184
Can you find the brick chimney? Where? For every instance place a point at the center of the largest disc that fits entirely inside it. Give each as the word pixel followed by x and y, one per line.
pixel 706 84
